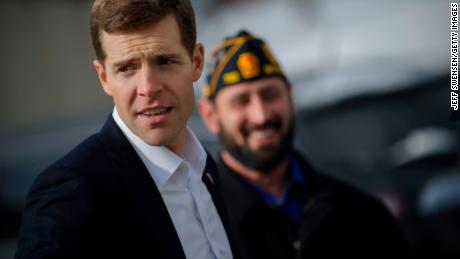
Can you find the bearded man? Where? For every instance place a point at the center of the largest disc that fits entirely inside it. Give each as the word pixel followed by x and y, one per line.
pixel 279 206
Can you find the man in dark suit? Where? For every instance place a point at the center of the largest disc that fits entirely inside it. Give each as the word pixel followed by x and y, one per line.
pixel 143 187
pixel 279 206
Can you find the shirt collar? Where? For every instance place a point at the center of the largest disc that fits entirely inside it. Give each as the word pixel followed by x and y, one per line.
pixel 194 152
pixel 163 158
pixel 296 179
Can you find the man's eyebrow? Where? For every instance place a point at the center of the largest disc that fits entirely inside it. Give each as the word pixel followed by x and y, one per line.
pixel 122 62
pixel 238 96
pixel 269 87
pixel 165 56
pixel 151 57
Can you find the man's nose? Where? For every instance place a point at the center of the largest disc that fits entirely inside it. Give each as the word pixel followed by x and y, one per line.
pixel 149 82
pixel 258 112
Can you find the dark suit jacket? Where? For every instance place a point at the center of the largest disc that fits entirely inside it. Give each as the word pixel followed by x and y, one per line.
pixel 338 221
pixel 99 201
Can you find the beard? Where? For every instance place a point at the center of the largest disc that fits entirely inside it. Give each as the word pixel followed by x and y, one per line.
pixel 266 158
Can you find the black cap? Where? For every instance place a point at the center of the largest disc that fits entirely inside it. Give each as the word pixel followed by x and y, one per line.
pixel 237 59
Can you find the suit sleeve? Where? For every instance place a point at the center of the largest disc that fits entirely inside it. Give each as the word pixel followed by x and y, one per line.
pixel 55 222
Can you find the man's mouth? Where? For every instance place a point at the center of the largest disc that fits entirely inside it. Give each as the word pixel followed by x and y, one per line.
pixel 262 133
pixel 156 112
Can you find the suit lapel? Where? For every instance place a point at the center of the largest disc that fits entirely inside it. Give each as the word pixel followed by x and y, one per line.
pixel 210 179
pixel 143 190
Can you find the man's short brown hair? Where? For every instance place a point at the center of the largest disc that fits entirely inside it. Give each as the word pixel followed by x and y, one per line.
pixel 120 16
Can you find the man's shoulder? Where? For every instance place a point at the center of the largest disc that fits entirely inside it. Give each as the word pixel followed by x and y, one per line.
pixel 338 198
pixel 82 161
pixel 87 153
pixel 341 192
pixel 326 186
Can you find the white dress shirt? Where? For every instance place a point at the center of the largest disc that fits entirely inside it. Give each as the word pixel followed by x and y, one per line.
pixel 187 199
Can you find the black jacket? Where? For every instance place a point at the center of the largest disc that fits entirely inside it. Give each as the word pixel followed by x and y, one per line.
pixel 338 220
pixel 99 201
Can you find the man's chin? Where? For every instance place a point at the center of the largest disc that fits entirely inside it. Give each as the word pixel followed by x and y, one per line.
pixel 261 160
pixel 263 156
pixel 265 152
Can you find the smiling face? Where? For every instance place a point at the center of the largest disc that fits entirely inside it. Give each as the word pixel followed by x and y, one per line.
pixel 254 121
pixel 150 76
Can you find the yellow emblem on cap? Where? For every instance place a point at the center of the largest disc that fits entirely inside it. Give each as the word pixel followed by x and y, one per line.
pixel 232 77
pixel 248 64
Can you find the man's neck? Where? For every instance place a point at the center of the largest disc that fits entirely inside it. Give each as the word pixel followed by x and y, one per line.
pixel 274 181
pixel 178 145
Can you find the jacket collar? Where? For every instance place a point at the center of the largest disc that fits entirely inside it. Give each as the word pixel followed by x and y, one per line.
pixel 211 180
pixel 141 187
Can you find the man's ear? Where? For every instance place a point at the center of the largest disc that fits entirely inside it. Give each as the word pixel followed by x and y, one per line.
pixel 198 61
pixel 209 115
pixel 102 76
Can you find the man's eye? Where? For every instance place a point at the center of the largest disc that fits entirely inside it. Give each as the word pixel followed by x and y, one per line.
pixel 165 61
pixel 240 102
pixel 270 95
pixel 126 68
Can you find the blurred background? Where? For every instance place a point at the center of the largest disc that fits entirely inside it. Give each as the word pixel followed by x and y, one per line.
pixel 371 85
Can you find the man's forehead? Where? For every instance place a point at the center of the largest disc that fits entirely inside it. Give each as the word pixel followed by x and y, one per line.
pixel 253 87
pixel 135 37
pixel 159 38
